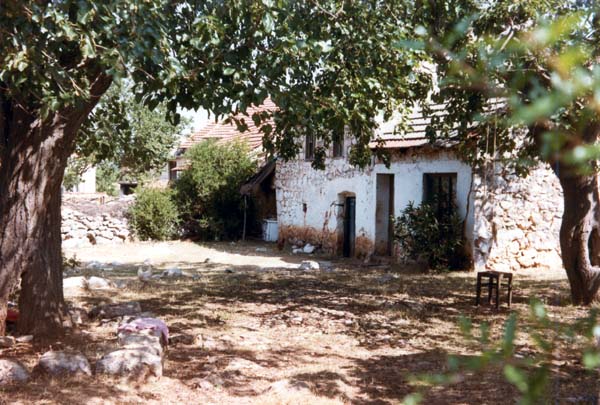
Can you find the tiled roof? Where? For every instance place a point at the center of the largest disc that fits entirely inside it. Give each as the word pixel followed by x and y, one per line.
pixel 416 127
pixel 225 132
pixel 415 134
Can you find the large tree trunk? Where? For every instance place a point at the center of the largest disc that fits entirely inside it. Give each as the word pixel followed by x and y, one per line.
pixel 33 157
pixel 580 236
pixel 580 227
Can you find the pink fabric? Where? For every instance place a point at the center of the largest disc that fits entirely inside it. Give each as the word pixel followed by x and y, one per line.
pixel 145 324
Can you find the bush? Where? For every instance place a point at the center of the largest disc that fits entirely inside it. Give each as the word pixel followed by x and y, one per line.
pixel 435 237
pixel 208 191
pixel 153 215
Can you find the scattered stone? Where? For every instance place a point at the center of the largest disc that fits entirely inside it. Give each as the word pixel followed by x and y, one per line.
pixel 12 372
pixel 172 272
pixel 78 315
pixel 99 283
pixel 309 265
pixel 110 311
pixel 297 250
pixel 261 249
pixel 230 271
pixel 6 342
pixel 325 265
pixel 308 248
pixel 133 363
pixel 146 326
pixel 144 272
pixel 25 339
pixel 58 363
pixel 196 277
pixel 74 285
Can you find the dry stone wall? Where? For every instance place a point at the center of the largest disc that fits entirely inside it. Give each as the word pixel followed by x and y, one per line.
pixel 79 229
pixel 517 220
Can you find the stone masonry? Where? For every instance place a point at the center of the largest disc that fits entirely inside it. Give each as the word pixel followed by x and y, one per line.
pixel 79 229
pixel 517 220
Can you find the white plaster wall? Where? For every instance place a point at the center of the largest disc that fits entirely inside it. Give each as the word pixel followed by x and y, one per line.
pixel 88 182
pixel 297 184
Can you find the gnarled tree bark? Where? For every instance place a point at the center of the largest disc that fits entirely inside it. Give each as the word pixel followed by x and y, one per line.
pixel 33 157
pixel 580 227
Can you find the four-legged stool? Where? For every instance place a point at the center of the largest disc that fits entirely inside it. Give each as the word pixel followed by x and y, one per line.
pixel 494 282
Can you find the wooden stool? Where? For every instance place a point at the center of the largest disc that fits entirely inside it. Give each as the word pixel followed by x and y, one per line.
pixel 494 282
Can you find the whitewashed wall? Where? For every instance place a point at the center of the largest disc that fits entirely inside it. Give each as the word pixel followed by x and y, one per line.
pixel 297 184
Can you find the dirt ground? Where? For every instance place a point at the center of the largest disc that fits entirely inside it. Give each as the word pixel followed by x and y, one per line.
pixel 250 328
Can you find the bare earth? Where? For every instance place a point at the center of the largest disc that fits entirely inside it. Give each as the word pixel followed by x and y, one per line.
pixel 264 332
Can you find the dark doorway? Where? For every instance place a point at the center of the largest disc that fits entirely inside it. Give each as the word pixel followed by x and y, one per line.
pixel 349 226
pixel 384 210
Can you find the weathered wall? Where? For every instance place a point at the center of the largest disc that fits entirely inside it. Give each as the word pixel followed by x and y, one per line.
pixel 309 201
pixel 517 219
pixel 80 230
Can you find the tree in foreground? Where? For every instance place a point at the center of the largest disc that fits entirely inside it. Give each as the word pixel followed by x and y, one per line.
pixel 527 73
pixel 324 63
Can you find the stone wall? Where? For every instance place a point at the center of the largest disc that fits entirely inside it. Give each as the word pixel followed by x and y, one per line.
pixel 517 220
pixel 80 230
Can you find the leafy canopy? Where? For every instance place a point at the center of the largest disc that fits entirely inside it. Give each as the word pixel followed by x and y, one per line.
pixel 128 135
pixel 526 72
pixel 324 63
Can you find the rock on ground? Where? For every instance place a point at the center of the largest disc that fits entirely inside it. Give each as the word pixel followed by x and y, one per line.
pixel 74 285
pixel 133 363
pixel 308 248
pixel 12 372
pixel 110 311
pixel 60 363
pixel 172 272
pixel 309 265
pixel 99 283
pixel 141 341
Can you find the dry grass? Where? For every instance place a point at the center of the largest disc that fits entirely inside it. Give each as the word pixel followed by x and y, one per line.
pixel 272 335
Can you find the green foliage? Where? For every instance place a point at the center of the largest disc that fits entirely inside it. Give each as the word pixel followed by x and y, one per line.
pixel 70 262
pixel 327 65
pixel 127 134
pixel 154 215
pixel 529 374
pixel 207 193
pixel 436 237
pixel 107 176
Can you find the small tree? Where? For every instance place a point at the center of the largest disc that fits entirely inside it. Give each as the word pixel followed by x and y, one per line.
pixel 153 216
pixel 207 193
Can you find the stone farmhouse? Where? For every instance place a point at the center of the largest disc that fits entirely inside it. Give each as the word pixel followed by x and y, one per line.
pixel 511 222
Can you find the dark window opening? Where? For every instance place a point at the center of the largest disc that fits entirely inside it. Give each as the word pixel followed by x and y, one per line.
pixel 338 145
pixel 440 192
pixel 309 148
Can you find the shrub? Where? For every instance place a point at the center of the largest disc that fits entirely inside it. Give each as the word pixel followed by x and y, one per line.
pixel 153 215
pixel 435 237
pixel 208 191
